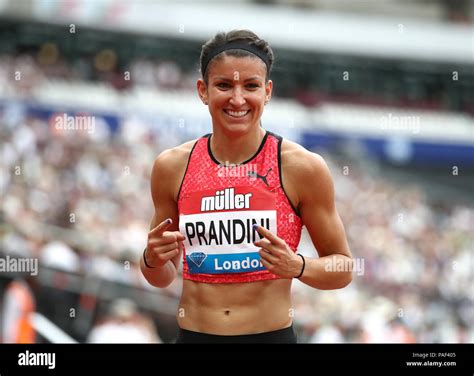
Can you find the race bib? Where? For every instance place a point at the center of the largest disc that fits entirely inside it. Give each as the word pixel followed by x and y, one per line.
pixel 218 226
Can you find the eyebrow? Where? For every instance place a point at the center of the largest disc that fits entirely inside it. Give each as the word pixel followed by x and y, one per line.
pixel 222 78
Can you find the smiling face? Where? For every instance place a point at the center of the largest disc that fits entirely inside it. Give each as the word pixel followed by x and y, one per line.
pixel 236 93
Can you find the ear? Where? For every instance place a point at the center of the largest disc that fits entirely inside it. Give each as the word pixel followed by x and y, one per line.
pixel 202 90
pixel 268 91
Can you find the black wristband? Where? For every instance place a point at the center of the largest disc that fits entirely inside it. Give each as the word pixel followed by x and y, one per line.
pixel 302 269
pixel 146 264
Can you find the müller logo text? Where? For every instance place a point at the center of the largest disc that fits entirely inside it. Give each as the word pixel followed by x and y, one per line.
pixel 225 200
pixel 19 264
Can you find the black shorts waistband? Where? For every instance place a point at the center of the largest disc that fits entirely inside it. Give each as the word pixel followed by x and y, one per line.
pixel 285 335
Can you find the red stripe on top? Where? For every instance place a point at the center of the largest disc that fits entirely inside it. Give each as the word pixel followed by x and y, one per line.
pixel 234 197
pixel 204 176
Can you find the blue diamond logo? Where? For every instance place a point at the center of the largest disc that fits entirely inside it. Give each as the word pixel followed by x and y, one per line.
pixel 198 258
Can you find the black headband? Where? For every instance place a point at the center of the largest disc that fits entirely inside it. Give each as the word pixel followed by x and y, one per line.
pixel 236 45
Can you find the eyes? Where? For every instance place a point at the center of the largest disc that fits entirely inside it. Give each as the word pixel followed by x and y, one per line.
pixel 226 85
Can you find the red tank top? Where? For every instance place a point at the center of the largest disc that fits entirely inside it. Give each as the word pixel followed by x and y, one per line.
pixel 218 204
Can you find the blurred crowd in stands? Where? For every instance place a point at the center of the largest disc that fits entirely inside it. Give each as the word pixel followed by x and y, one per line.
pixel 79 202
pixel 30 69
pixel 414 258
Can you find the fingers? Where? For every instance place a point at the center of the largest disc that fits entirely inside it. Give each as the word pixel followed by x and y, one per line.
pixel 163 248
pixel 268 257
pixel 267 252
pixel 275 255
pixel 268 234
pixel 179 236
pixel 266 245
pixel 266 264
pixel 158 230
pixel 161 254
pixel 163 258
pixel 169 240
pixel 166 238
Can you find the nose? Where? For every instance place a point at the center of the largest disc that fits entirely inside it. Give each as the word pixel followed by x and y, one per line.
pixel 237 100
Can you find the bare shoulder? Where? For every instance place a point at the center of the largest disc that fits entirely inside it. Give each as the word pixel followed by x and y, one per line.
pixel 305 173
pixel 301 161
pixel 170 165
pixel 171 160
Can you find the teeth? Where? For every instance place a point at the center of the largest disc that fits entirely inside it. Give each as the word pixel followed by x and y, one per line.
pixel 237 113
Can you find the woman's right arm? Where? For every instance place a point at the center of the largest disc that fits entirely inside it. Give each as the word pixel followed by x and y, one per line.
pixel 164 240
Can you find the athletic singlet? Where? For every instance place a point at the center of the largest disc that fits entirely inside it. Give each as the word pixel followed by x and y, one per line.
pixel 218 205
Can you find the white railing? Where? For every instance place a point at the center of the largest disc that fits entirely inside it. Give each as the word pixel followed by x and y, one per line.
pixel 49 330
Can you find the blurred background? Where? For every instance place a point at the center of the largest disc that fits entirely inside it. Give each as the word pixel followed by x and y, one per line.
pixel 92 91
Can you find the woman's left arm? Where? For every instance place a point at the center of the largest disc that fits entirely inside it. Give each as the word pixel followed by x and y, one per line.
pixel 333 268
pixel 315 189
